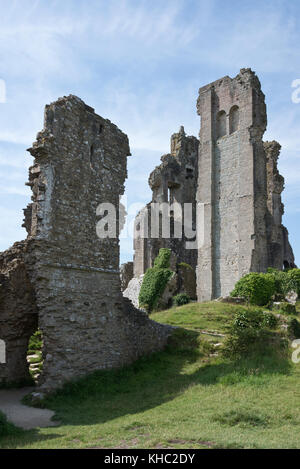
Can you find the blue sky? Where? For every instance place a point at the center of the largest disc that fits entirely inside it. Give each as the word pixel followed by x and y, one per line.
pixel 140 63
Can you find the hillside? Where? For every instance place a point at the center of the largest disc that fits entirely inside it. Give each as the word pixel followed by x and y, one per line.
pixel 185 397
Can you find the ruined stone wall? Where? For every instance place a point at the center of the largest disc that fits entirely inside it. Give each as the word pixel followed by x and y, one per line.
pixel 232 183
pixel 239 187
pixel 67 273
pixel 279 249
pixel 173 181
pixel 18 313
pixel 126 274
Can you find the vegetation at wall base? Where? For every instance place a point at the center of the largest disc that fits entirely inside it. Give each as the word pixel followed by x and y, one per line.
pixel 155 280
pixel 257 288
pixel 260 288
pixel 181 299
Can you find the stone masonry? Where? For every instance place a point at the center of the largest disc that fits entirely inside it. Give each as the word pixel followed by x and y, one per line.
pixel 80 161
pixel 173 181
pixel 239 187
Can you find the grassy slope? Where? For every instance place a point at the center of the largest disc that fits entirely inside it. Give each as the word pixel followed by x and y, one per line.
pixel 179 398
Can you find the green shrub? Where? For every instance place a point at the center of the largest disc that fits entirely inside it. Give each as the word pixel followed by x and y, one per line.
pixel 294 328
pixel 282 281
pixel 251 334
pixel 181 299
pixel 285 307
pixel 257 288
pixel 294 278
pixel 254 319
pixel 155 280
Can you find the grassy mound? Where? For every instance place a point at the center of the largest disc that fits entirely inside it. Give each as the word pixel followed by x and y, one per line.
pixel 187 396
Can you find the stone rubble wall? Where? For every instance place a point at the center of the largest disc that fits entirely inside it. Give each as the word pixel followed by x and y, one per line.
pixel 80 161
pixel 18 313
pixel 173 181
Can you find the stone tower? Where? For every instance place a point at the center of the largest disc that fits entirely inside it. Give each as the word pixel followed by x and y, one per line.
pixel 234 184
pixel 174 181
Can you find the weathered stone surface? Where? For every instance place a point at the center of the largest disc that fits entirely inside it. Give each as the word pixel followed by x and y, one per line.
pixel 133 290
pixel 174 181
pixel 186 280
pixel 165 300
pixel 126 274
pixel 80 162
pixel 239 187
pixel 279 249
pixel 18 313
pixel 292 297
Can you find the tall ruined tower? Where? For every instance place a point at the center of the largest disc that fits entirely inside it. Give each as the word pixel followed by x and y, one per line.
pixel 232 183
pixel 174 181
pixel 239 187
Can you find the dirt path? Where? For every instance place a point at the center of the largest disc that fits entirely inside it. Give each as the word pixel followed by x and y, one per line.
pixel 22 415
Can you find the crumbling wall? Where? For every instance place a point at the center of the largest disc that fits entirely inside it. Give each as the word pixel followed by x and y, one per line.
pixel 232 183
pixel 174 181
pixel 18 313
pixel 126 274
pixel 239 187
pixel 279 249
pixel 64 271
pixel 80 162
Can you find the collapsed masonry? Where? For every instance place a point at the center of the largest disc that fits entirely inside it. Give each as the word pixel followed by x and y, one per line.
pixel 63 278
pixel 235 180
pixel 161 225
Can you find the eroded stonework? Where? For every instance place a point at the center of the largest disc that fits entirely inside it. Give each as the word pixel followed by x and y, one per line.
pixel 239 187
pixel 18 313
pixel 173 182
pixel 80 161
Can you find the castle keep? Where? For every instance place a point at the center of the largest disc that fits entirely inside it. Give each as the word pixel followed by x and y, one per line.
pixel 236 184
pixel 65 280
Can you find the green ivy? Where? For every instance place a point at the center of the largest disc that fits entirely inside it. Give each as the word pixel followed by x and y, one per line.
pixel 155 280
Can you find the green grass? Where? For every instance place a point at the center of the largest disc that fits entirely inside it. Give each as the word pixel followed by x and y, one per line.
pixel 179 398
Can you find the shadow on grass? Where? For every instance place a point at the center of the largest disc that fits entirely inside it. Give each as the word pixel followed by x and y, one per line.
pixel 154 380
pixel 24 437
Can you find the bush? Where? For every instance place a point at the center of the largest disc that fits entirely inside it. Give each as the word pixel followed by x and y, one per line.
pixel 254 319
pixel 257 288
pixel 294 280
pixel 181 299
pixel 282 281
pixel 251 333
pixel 285 307
pixel 294 328
pixel 155 280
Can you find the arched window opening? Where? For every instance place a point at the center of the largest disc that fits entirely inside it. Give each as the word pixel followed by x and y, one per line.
pixel 221 124
pixel 233 119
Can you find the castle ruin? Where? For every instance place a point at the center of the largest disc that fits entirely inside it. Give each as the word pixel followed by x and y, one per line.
pixel 234 179
pixel 65 280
